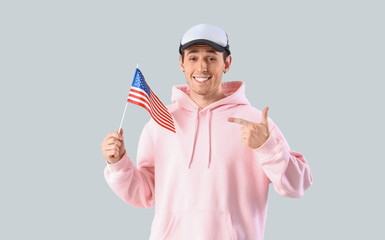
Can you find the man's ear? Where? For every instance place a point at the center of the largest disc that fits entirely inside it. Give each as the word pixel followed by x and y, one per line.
pixel 228 63
pixel 181 63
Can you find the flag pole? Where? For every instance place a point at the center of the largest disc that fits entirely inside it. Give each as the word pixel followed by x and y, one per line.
pixel 125 108
pixel 122 117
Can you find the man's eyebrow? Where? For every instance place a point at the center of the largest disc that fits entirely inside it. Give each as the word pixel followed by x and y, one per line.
pixel 212 51
pixel 192 51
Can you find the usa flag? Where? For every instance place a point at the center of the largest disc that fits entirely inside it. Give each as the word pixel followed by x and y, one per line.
pixel 141 95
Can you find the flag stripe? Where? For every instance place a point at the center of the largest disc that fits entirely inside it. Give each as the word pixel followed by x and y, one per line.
pixel 167 114
pixel 141 97
pixel 159 108
pixel 139 103
pixel 144 106
pixel 135 98
pixel 158 101
pixel 144 100
pixel 158 105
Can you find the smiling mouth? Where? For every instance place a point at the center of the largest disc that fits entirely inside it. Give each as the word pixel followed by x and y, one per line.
pixel 202 79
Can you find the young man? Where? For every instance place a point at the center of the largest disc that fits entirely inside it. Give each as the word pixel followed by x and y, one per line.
pixel 210 180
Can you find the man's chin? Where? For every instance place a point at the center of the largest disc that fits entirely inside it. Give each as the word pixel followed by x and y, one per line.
pixel 201 93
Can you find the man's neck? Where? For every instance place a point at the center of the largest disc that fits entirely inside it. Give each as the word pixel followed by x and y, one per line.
pixel 204 101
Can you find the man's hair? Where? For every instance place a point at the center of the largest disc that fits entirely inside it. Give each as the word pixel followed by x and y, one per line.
pixel 225 54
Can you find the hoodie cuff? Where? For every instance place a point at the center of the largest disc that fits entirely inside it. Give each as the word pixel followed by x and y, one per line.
pixel 121 166
pixel 269 148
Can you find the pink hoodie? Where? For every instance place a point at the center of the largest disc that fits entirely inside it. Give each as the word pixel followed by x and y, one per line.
pixel 206 183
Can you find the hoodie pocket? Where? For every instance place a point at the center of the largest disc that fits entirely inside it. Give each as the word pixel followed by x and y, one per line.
pixel 202 225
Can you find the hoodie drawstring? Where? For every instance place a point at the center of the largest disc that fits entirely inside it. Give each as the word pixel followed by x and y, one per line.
pixel 195 136
pixel 209 132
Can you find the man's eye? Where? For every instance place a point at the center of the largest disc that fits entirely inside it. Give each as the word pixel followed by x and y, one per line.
pixel 211 59
pixel 192 58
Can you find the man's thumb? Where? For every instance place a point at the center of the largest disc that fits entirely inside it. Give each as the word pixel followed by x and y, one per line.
pixel 121 134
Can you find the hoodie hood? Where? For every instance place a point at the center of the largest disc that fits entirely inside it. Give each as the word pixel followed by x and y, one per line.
pixel 235 95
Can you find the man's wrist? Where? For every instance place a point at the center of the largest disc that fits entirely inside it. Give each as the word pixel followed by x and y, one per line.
pixel 119 158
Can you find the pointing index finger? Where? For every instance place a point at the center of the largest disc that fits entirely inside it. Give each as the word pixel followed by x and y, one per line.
pixel 238 120
pixel 264 116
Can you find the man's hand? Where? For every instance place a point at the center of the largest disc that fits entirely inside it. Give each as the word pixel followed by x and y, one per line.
pixel 113 147
pixel 254 135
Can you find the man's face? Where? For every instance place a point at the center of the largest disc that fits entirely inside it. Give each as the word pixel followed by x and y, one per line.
pixel 203 67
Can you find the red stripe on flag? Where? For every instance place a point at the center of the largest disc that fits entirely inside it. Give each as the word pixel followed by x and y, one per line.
pixel 157 100
pixel 154 112
pixel 139 104
pixel 160 105
pixel 156 104
pixel 165 114
pixel 144 106
pixel 162 110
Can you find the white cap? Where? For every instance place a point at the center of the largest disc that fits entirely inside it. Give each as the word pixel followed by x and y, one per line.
pixel 206 34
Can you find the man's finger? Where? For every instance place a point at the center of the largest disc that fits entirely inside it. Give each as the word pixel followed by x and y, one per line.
pixel 112 134
pixel 238 120
pixel 112 141
pixel 264 116
pixel 120 134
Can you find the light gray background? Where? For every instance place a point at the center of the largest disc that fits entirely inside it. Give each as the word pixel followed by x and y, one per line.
pixel 66 68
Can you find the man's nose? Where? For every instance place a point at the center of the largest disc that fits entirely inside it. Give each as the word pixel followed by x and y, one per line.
pixel 203 66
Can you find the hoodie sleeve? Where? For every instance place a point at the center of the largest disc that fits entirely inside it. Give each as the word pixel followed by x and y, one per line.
pixel 134 185
pixel 287 170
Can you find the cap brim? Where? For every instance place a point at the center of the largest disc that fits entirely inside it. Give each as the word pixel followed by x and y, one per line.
pixel 216 46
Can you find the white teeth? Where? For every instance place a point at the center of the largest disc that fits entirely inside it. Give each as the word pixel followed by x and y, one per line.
pixel 201 79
